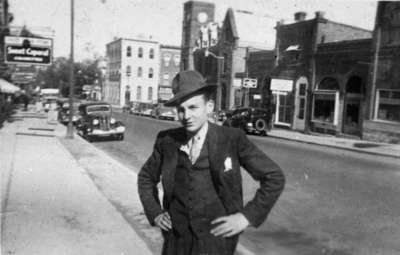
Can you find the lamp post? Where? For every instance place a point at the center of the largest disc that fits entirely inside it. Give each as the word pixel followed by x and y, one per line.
pixel 70 133
pixel 220 64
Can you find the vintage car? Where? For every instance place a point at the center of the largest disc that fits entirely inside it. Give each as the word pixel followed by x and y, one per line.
pixel 164 112
pixel 63 110
pixel 97 121
pixel 251 120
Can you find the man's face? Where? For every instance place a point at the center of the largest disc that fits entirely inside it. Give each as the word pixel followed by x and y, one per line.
pixel 193 112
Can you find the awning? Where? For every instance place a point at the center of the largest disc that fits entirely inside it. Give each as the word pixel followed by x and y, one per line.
pixel 6 87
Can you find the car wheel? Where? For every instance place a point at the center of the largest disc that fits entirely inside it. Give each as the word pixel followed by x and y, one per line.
pixel 260 126
pixel 120 137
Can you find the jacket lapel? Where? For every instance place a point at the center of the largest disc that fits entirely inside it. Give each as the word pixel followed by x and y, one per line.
pixel 212 141
pixel 172 147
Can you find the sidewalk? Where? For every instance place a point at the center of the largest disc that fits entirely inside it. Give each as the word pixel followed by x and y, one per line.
pixel 49 203
pixel 374 148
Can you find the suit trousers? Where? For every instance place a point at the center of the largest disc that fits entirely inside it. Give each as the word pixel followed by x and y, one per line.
pixel 190 244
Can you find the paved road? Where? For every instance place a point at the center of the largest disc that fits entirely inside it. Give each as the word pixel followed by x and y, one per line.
pixel 335 202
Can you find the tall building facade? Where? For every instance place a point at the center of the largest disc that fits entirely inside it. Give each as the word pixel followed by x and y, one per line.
pixel 170 60
pixel 132 71
pixel 195 15
pixel 383 108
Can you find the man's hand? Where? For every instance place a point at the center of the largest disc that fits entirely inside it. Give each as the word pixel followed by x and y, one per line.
pixel 231 225
pixel 163 221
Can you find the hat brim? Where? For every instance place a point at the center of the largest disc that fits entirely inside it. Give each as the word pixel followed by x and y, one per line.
pixel 183 96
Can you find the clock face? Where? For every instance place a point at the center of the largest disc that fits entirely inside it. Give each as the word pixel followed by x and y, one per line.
pixel 202 17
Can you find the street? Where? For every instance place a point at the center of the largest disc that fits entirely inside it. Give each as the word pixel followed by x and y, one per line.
pixel 335 202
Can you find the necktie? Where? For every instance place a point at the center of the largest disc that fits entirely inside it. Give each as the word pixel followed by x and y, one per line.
pixel 195 149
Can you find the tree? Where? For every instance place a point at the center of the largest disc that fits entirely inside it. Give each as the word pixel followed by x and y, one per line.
pixel 57 75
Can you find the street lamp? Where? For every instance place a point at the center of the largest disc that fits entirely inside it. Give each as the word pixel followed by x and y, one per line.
pixel 220 64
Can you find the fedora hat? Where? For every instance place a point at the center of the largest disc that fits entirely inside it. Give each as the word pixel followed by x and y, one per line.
pixel 186 84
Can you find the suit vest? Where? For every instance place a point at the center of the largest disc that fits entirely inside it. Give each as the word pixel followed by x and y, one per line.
pixel 195 202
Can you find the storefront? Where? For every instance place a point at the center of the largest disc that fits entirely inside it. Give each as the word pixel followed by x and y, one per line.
pixel 325 106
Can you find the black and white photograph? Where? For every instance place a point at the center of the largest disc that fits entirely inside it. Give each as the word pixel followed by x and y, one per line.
pixel 191 127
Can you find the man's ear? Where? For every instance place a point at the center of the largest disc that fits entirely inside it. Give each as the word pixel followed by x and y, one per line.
pixel 210 106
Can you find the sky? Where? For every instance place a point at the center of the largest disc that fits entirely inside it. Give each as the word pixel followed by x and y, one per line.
pixel 98 22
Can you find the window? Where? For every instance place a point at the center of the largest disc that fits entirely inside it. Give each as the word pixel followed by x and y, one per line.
pixel 150 94
pixel 302 100
pixel 388 105
pixel 128 70
pixel 139 93
pixel 139 71
pixel 325 103
pixel 166 59
pixel 140 52
pixel 177 60
pixel 128 51
pixel 151 53
pixel 324 107
pixel 151 72
pixel 165 80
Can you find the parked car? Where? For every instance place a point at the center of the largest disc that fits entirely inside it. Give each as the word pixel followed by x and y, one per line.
pixel 164 112
pixel 251 120
pixel 97 121
pixel 63 110
pixel 145 109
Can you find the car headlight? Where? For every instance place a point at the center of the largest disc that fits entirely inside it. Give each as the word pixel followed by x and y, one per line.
pixel 95 122
pixel 249 124
pixel 112 121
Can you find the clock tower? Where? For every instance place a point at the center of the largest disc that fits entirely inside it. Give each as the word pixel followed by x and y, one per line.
pixel 195 15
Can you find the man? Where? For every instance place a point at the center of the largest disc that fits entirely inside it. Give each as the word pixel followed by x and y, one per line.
pixel 199 168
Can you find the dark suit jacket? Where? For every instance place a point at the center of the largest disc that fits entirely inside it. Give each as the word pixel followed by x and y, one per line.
pixel 222 142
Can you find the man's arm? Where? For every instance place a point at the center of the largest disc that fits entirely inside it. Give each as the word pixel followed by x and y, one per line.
pixel 269 175
pixel 272 181
pixel 148 178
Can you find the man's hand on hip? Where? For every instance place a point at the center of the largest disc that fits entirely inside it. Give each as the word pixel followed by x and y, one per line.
pixel 163 221
pixel 229 225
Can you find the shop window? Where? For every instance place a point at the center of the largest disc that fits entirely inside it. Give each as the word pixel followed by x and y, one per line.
pixel 324 107
pixel 140 52
pixel 150 94
pixel 128 51
pixel 151 53
pixel 139 93
pixel 388 105
pixel 139 71
pixel 325 103
pixel 151 73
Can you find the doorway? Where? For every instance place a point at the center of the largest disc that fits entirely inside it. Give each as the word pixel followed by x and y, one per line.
pixel 353 103
pixel 300 103
pixel 283 109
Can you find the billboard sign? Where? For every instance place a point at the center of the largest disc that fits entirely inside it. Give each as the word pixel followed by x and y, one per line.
pixel 28 50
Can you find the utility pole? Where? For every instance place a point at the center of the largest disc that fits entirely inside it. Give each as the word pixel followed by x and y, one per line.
pixel 70 131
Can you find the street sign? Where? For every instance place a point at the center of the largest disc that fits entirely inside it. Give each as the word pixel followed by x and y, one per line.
pixel 249 83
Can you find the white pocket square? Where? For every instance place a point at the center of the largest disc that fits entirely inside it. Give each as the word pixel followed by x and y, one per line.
pixel 228 164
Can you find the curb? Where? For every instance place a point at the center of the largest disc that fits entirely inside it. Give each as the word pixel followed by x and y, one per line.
pixel 336 147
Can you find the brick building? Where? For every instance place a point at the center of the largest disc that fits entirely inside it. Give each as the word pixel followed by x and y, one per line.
pixel 170 59
pixel 382 122
pixel 294 79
